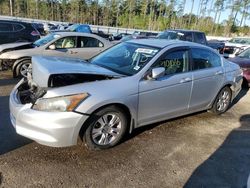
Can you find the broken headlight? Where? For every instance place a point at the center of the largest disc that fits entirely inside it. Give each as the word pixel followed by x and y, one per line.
pixel 59 104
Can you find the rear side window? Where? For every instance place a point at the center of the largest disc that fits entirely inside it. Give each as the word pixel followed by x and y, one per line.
pixel 199 38
pixel 174 62
pixel 5 27
pixel 187 37
pixel 89 42
pixel 18 27
pixel 203 59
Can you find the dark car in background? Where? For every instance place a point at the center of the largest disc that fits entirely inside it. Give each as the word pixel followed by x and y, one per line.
pixel 185 35
pixel 243 60
pixel 15 31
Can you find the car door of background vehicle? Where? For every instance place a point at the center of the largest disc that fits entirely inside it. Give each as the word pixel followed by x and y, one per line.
pixel 208 77
pixel 64 46
pixel 6 33
pixel 169 95
pixel 87 47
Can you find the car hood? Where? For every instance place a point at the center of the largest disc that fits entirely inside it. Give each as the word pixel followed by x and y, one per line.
pixel 242 62
pixel 236 45
pixel 62 71
pixel 15 46
pixel 19 53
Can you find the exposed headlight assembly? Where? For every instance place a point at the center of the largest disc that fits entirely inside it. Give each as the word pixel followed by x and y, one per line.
pixel 59 104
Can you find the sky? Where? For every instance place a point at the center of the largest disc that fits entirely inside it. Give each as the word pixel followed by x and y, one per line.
pixel 224 14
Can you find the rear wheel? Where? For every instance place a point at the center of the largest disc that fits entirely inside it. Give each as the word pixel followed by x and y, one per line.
pixel 106 128
pixel 222 101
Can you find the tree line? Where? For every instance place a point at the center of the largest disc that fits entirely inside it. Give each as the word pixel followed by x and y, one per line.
pixel 139 14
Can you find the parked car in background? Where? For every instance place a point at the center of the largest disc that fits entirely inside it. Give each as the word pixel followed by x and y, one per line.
pixel 15 31
pixel 217 45
pixel 130 85
pixel 243 60
pixel 235 45
pixel 84 28
pixel 185 35
pixel 139 35
pixel 39 27
pixel 67 44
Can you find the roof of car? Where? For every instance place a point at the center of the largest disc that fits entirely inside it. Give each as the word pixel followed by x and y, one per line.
pixel 15 21
pixel 69 33
pixel 162 43
pixel 184 30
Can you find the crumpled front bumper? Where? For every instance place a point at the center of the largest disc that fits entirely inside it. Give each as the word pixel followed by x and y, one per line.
pixel 57 129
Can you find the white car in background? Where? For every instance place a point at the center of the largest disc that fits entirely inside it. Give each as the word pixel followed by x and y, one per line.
pixel 236 45
pixel 64 44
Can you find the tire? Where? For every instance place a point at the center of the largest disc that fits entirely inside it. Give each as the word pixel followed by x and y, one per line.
pixel 106 128
pixel 222 101
pixel 23 68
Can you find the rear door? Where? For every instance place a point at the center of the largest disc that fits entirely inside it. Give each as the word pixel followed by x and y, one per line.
pixel 87 47
pixel 6 33
pixel 208 77
pixel 169 95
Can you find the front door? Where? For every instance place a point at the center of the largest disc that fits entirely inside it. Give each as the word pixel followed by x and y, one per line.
pixel 64 47
pixel 169 95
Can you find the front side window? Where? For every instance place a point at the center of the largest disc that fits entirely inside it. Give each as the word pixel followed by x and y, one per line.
pixel 203 59
pixel 66 42
pixel 126 58
pixel 174 62
pixel 46 40
pixel 89 42
pixel 6 27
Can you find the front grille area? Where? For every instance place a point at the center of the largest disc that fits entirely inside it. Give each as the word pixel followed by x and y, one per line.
pixel 6 64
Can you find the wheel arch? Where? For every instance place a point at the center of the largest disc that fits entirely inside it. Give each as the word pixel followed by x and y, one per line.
pixel 119 105
pixel 229 85
pixel 16 63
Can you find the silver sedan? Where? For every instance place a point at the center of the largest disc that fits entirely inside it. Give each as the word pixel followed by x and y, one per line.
pixel 130 85
pixel 65 44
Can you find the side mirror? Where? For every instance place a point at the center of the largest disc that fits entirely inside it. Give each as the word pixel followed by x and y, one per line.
pixel 158 72
pixel 52 47
pixel 101 45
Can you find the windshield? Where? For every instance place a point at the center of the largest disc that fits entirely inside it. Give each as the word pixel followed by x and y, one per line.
pixel 170 35
pixel 125 58
pixel 245 53
pixel 240 40
pixel 46 40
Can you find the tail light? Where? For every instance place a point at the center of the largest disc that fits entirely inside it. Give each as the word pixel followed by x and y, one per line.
pixel 35 33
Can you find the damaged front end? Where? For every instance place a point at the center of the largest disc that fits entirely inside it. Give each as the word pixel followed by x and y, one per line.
pixel 6 64
pixel 29 92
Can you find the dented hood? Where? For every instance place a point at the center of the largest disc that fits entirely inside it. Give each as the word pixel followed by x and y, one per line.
pixel 44 67
pixel 15 46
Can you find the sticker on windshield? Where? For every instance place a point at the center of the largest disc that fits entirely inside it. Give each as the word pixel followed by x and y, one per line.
pixel 146 51
pixel 137 67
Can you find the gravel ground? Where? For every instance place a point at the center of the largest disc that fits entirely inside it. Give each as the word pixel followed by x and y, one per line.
pixel 199 150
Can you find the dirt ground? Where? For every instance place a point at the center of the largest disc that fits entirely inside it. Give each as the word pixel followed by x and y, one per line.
pixel 199 150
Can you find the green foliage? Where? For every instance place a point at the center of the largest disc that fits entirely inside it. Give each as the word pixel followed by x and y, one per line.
pixel 140 14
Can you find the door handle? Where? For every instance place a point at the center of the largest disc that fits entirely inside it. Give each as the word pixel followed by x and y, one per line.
pixel 183 80
pixel 72 52
pixel 218 73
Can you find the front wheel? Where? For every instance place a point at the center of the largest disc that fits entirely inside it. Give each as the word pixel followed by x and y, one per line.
pixel 24 68
pixel 222 101
pixel 106 128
